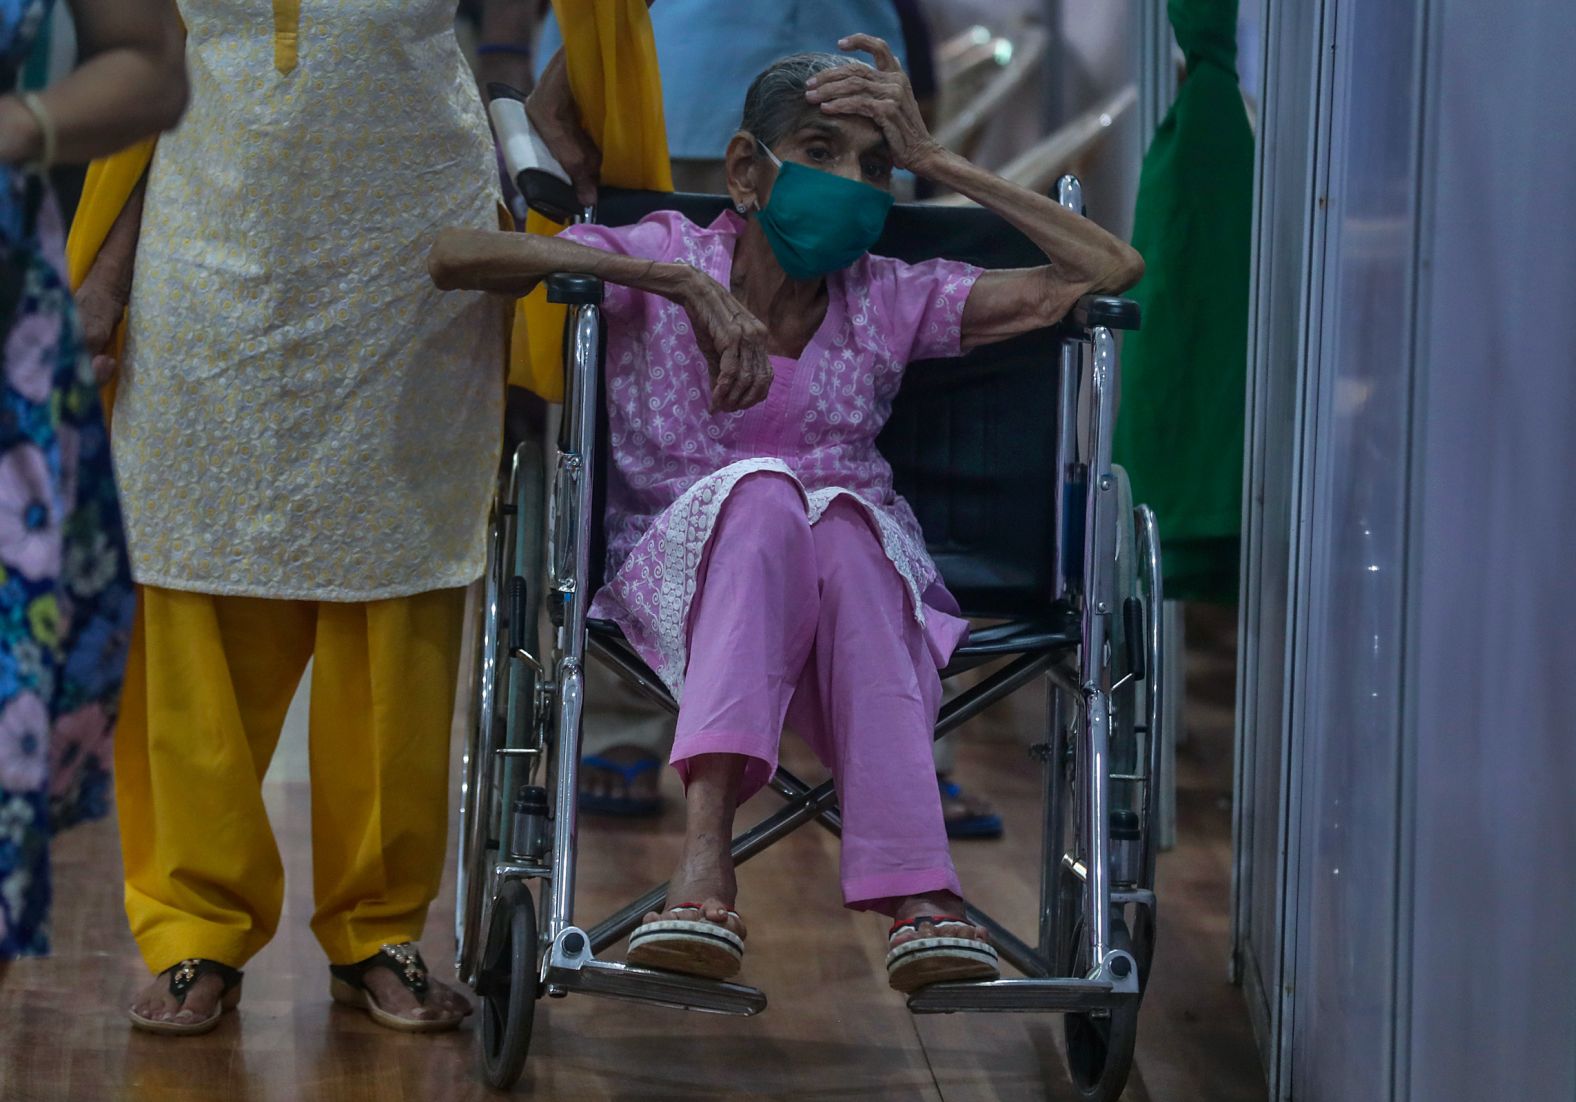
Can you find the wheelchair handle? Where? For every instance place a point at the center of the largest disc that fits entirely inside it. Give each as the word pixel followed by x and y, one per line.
pixel 532 166
pixel 574 289
pixel 1107 310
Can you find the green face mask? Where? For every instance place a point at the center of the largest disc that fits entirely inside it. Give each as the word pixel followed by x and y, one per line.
pixel 817 223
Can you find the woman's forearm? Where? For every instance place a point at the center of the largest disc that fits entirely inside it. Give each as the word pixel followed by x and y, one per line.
pixel 106 289
pixel 732 340
pixel 507 27
pixel 1080 251
pixel 115 264
pixel 514 263
pixel 131 83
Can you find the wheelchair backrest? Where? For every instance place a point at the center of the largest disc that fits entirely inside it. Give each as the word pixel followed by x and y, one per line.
pixel 972 441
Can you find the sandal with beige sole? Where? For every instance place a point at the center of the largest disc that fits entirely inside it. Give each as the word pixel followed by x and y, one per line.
pixel 938 958
pixel 183 977
pixel 693 947
pixel 349 987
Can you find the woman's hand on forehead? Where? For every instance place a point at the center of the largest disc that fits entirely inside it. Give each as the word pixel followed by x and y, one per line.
pixel 881 94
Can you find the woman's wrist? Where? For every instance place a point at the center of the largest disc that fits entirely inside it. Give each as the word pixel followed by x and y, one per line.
pixel 942 166
pixel 676 282
pixel 927 160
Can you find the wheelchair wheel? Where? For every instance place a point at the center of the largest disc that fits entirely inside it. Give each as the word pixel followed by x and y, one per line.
pixel 507 984
pixel 477 837
pixel 1100 1046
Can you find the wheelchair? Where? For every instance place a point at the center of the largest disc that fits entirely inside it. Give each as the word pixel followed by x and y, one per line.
pixel 1034 532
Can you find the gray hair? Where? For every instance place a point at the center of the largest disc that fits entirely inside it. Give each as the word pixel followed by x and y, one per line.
pixel 775 103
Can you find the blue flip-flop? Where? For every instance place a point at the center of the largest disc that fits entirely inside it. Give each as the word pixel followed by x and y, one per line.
pixel 625 806
pixel 984 825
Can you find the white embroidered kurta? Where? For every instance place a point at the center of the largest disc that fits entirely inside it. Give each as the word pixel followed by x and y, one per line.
pixel 301 414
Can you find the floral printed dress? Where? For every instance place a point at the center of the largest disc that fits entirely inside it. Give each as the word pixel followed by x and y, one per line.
pixel 65 589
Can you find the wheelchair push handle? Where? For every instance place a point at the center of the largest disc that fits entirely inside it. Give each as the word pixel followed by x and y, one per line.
pixel 532 166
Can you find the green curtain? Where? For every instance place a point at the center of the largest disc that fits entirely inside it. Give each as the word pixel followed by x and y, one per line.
pixel 1179 432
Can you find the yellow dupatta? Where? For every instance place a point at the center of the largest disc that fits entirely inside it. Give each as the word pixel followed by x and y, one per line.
pixel 611 54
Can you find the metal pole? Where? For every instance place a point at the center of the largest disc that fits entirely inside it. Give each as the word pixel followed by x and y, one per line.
pixel 1069 192
pixel 576 473
pixel 1099 555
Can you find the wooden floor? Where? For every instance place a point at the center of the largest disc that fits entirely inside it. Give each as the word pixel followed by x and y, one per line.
pixel 834 1029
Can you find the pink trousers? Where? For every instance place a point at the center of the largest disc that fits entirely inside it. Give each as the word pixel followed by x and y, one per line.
pixel 813 625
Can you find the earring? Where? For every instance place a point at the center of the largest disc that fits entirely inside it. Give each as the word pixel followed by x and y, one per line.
pixel 740 207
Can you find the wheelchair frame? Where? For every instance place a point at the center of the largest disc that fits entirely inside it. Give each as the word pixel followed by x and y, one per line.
pixel 1087 960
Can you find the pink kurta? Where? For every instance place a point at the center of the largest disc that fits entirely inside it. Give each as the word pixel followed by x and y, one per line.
pixel 675 462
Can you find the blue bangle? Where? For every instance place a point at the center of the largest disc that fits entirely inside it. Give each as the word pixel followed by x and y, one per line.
pixel 511 49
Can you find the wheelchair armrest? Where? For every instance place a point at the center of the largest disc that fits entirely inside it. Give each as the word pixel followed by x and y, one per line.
pixel 574 289
pixel 1097 310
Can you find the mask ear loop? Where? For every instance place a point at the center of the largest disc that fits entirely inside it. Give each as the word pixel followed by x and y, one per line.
pixel 739 206
pixel 766 149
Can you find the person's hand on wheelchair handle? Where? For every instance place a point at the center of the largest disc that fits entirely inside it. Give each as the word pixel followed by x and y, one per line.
pixel 556 120
pixel 883 95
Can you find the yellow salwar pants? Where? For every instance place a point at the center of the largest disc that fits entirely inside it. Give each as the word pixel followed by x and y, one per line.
pixel 208 682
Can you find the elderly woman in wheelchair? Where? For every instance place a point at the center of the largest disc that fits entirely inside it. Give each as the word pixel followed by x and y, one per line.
pixel 760 560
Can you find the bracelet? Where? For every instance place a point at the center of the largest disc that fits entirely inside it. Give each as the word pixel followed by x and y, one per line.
pixel 487 49
pixel 46 126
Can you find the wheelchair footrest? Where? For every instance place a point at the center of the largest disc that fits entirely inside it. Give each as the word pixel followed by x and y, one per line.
pixel 1017 996
pixel 647 985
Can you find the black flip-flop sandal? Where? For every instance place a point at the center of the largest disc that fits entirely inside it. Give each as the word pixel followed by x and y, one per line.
pixel 937 958
pixel 694 947
pixel 348 985
pixel 183 977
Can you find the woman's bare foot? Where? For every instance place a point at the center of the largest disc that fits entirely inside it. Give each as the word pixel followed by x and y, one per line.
pixel 155 1002
pixel 705 882
pixel 705 871
pixel 935 904
pixel 443 1001
pixel 941 947
pixel 680 938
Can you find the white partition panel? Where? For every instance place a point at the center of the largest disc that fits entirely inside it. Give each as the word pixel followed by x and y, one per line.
pixel 1406 839
pixel 1489 869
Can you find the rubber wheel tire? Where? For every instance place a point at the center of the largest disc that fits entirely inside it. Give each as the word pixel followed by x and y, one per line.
pixel 507 984
pixel 1100 1048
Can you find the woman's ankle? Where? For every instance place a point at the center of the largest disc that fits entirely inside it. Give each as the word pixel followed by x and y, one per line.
pixel 937 903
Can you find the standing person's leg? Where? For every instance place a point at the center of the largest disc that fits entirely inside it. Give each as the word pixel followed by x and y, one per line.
pixel 625 740
pixel 208 682
pixel 383 685
pixel 750 630
pixel 967 814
